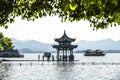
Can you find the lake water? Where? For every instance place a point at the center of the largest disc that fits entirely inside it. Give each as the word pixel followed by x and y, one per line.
pixel 48 70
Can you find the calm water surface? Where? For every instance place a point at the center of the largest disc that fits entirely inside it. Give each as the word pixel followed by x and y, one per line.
pixel 39 70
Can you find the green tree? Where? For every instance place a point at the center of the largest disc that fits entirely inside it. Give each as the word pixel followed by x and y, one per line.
pixel 5 43
pixel 100 13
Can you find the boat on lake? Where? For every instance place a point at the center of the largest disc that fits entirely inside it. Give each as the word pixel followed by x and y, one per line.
pixel 97 52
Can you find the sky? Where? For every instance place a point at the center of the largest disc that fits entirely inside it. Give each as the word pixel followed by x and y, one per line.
pixel 48 28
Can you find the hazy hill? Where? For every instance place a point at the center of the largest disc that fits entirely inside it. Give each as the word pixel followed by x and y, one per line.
pixel 31 46
pixel 106 44
pixel 35 46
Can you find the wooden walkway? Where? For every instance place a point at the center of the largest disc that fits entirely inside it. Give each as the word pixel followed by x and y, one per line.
pixel 75 62
pixel 31 60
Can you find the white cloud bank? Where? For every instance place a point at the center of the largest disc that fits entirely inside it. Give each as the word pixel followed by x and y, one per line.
pixel 48 28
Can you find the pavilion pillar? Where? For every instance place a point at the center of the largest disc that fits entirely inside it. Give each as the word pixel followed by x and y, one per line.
pixel 63 55
pixel 57 54
pixel 66 54
pixel 70 52
pixel 72 55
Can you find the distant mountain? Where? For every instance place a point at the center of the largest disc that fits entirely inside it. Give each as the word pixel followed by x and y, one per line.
pixel 31 46
pixel 107 44
pixel 35 46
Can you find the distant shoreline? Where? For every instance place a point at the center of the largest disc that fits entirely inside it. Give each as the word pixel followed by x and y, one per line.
pixel 74 52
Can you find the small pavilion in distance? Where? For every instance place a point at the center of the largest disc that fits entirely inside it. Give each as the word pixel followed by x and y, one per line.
pixel 64 45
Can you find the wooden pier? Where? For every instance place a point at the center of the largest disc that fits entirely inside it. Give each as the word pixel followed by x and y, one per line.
pixel 34 60
pixel 75 62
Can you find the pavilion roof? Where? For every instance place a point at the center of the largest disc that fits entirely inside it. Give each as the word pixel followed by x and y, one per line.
pixel 64 38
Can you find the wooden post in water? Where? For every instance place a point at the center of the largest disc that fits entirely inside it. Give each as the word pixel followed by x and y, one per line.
pixel 52 57
pixel 43 57
pixel 38 57
pixel 83 63
pixel 60 57
pixel 20 64
pixel 42 64
pixel 9 64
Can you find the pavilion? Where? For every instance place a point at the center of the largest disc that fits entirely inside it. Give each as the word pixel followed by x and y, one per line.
pixel 64 45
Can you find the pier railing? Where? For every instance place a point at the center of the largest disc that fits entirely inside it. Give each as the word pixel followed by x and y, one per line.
pixel 36 62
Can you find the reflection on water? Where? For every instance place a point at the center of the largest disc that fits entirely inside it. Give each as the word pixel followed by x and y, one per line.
pixel 4 68
pixel 61 70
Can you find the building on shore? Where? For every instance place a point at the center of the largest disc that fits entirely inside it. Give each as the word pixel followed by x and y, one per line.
pixel 64 45
pixel 11 53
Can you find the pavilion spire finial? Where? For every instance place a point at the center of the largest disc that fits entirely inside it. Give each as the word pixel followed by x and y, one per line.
pixel 64 31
